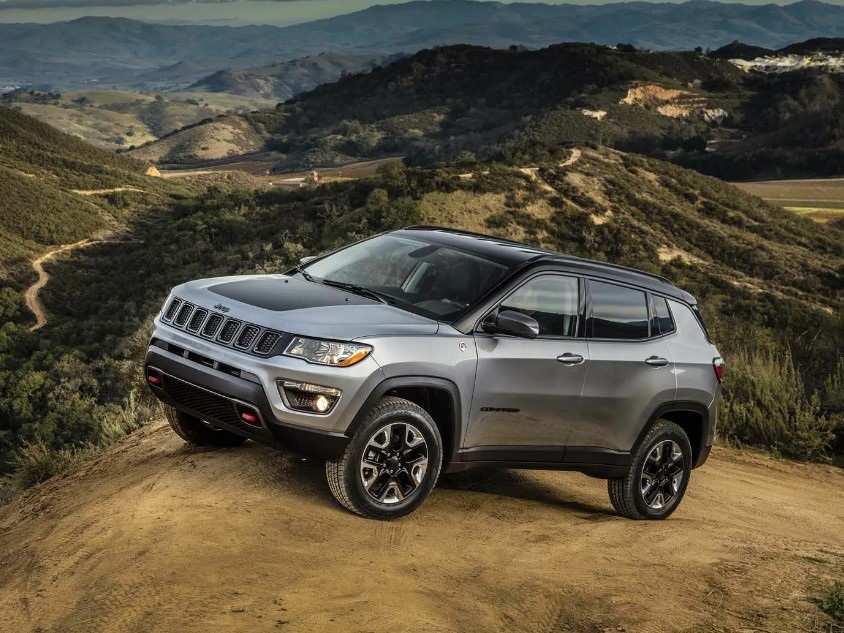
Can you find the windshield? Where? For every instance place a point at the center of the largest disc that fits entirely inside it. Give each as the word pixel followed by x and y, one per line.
pixel 430 279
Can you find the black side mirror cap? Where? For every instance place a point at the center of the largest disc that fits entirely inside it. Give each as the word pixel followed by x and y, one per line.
pixel 514 324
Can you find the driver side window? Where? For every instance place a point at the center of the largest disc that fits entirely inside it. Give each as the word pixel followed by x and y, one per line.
pixel 553 300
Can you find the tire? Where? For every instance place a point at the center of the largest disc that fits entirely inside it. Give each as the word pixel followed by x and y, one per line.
pixel 403 451
pixel 658 477
pixel 196 433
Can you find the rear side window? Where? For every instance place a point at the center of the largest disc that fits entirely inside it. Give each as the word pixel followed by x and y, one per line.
pixel 550 299
pixel 661 321
pixel 618 312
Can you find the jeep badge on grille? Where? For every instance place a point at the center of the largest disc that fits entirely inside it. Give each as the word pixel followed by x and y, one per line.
pixel 222 308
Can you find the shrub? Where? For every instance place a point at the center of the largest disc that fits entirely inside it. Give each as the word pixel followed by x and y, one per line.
pixel 766 404
pixel 831 601
pixel 35 462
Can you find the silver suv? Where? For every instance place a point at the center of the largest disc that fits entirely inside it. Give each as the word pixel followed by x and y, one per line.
pixel 429 350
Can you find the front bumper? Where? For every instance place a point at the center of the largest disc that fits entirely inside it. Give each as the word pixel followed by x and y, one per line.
pixel 218 384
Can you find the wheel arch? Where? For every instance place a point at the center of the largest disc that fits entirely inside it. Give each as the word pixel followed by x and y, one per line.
pixel 692 417
pixel 438 396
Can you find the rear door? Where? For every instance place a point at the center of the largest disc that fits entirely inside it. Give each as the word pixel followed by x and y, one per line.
pixel 631 372
pixel 527 391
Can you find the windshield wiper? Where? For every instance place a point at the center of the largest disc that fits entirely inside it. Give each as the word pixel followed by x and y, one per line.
pixel 307 276
pixel 360 290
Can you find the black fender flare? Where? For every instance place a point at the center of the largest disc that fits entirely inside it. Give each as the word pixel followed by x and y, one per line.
pixel 685 406
pixel 429 382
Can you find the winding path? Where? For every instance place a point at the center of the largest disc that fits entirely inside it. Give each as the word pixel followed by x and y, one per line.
pixel 31 295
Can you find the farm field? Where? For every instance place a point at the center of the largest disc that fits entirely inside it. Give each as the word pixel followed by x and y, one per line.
pixel 821 199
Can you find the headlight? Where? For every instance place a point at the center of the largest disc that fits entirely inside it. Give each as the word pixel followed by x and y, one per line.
pixel 334 353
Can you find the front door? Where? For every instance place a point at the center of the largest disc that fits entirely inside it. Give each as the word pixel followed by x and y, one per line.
pixel 527 391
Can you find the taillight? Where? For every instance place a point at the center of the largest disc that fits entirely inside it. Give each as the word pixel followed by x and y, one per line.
pixel 720 367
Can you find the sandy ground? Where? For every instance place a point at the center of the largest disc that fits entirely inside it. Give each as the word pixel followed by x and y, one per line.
pixel 156 536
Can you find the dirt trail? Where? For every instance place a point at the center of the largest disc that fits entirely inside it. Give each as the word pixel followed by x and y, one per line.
pixel 96 192
pixel 571 160
pixel 154 536
pixel 31 296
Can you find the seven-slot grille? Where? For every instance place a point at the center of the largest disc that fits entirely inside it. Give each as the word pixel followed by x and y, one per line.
pixel 221 329
pixel 183 314
pixel 267 342
pixel 197 319
pixel 229 330
pixel 247 337
pixel 172 309
pixel 212 325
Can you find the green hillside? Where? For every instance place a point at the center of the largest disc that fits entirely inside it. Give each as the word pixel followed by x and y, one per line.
pixel 40 170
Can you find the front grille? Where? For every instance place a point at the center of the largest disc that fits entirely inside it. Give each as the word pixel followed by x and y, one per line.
pixel 267 342
pixel 247 337
pixel 171 309
pixel 229 330
pixel 197 319
pixel 209 405
pixel 183 314
pixel 212 324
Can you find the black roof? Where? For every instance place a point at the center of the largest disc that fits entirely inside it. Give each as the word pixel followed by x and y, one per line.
pixel 518 255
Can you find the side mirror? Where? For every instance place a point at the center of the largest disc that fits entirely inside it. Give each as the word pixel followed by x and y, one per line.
pixel 306 259
pixel 514 324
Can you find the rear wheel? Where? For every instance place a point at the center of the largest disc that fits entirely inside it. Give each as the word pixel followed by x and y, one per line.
pixel 195 432
pixel 391 464
pixel 658 476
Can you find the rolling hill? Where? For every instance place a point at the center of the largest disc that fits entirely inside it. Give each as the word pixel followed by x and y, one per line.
pixel 126 53
pixel 444 102
pixel 467 103
pixel 284 80
pixel 113 119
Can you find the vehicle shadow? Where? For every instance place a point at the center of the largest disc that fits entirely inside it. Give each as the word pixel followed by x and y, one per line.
pixel 307 476
pixel 522 485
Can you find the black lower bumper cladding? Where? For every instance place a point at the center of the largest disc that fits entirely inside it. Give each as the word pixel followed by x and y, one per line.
pixel 227 402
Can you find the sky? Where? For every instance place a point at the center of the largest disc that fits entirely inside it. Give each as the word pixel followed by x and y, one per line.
pixel 211 11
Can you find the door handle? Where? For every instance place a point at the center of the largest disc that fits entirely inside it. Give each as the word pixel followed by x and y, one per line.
pixel 656 361
pixel 570 359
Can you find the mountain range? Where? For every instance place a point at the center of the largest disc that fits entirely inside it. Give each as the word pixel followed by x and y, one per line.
pixel 127 53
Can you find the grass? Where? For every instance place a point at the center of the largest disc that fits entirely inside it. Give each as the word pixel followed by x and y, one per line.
pixel 831 601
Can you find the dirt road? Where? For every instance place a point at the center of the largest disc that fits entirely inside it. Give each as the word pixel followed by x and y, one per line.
pixel 31 295
pixel 154 536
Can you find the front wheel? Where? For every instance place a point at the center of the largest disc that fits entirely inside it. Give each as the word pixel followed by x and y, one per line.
pixel 658 476
pixel 391 464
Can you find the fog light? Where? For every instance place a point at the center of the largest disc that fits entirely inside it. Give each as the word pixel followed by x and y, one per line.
pixel 322 404
pixel 304 396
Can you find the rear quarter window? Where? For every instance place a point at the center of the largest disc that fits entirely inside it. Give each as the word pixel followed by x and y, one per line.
pixel 688 326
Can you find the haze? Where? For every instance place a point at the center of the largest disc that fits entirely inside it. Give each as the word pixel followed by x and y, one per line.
pixel 234 12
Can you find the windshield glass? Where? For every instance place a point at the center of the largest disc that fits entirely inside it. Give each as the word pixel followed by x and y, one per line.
pixel 430 279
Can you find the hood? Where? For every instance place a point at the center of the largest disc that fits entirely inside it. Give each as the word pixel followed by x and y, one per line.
pixel 297 306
